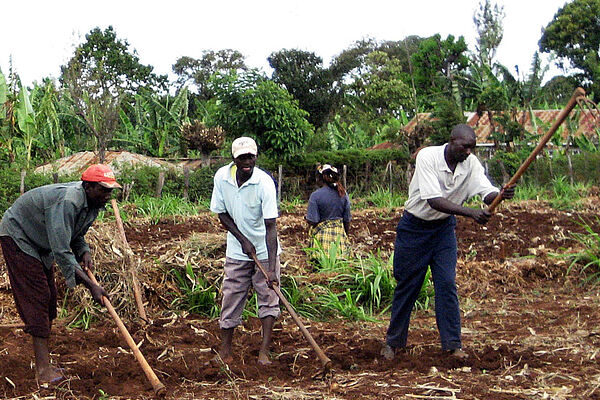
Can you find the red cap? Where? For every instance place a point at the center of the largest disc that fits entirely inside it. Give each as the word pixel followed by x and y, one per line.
pixel 102 174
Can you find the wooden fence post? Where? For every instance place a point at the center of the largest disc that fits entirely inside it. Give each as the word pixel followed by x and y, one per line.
pixel 280 179
pixel 186 180
pixel 160 183
pixel 127 190
pixel 23 174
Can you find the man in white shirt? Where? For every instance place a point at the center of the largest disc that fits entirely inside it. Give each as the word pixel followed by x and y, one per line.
pixel 245 199
pixel 445 177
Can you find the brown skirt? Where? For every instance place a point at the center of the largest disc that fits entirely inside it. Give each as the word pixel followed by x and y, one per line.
pixel 33 288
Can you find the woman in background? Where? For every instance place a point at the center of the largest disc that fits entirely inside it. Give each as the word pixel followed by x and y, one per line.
pixel 328 212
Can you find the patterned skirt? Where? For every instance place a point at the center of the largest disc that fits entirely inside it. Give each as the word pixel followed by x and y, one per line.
pixel 330 233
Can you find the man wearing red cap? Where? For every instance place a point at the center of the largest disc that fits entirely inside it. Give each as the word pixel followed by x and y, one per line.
pixel 48 224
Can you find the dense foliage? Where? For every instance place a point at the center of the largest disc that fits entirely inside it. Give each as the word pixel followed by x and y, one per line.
pixel 574 36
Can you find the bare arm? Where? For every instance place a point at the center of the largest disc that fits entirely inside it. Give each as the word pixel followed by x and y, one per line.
pixel 97 291
pixel 443 205
pixel 507 192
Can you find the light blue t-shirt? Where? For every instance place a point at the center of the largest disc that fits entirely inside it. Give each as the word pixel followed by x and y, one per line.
pixel 248 206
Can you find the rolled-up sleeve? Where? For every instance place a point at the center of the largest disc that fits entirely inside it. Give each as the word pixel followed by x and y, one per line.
pixel 60 220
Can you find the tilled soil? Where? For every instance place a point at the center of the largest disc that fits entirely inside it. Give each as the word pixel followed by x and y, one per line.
pixel 530 330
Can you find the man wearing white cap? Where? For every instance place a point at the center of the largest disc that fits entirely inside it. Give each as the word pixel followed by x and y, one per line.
pixel 245 199
pixel 44 225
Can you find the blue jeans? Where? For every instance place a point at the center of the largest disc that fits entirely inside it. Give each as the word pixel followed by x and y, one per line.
pixel 419 244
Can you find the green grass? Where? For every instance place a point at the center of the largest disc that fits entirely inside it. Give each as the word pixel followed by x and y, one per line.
pixel 155 208
pixel 345 304
pixel 290 205
pixel 363 287
pixel 560 193
pixel 587 261
pixel 327 260
pixel 567 196
pixel 529 191
pixel 371 282
pixel 427 293
pixel 300 297
pixel 196 294
pixel 379 198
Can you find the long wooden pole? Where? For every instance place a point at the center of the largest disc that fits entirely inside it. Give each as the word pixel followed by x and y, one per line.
pixel 322 357
pixel 577 94
pixel 137 293
pixel 157 385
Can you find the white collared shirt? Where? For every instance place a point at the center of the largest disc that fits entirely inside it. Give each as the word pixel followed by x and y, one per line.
pixel 433 178
pixel 248 205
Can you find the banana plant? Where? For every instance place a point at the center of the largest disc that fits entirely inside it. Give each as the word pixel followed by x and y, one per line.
pixel 26 122
pixel 7 119
pixel 154 125
pixel 46 104
pixel 3 95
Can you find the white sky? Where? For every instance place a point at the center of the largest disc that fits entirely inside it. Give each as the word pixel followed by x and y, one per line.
pixel 40 35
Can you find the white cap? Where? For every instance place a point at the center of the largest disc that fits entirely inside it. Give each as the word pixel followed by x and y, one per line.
pixel 243 145
pixel 326 167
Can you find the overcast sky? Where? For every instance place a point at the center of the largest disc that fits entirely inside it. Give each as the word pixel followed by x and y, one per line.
pixel 40 35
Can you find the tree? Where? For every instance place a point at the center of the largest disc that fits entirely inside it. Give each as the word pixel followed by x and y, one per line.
pixel 488 22
pixel 302 74
pixel 250 104
pixel 381 88
pixel 574 36
pixel 352 60
pixel 446 114
pixel 402 50
pixel 200 70
pixel 101 73
pixel 436 64
pixel 558 90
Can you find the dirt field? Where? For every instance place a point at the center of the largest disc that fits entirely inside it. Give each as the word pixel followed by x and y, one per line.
pixel 530 331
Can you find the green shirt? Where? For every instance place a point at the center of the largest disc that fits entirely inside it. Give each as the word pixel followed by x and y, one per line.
pixel 49 223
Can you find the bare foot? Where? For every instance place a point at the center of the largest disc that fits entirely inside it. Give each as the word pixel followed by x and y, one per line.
pixel 225 358
pixel 263 359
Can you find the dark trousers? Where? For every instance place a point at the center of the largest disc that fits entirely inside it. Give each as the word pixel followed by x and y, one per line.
pixel 419 244
pixel 33 288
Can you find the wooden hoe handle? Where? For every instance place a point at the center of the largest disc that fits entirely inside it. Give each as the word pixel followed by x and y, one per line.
pixel 577 94
pixel 137 293
pixel 158 387
pixel 324 359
